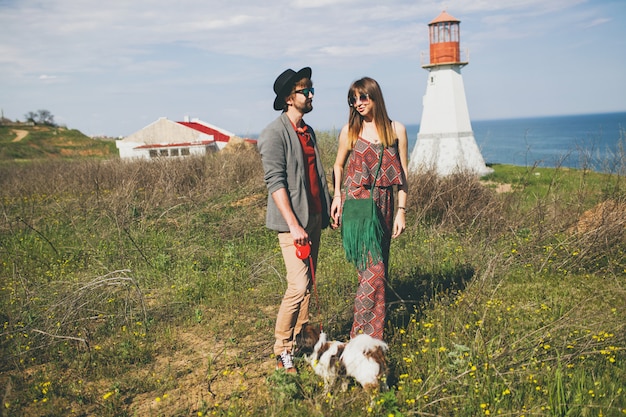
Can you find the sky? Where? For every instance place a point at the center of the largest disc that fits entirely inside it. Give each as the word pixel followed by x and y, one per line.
pixel 110 68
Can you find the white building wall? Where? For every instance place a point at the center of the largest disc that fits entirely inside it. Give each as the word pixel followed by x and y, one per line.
pixel 446 141
pixel 445 106
pixel 164 132
pixel 127 149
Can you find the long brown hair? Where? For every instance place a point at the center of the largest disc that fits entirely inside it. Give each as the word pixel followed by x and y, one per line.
pixel 370 87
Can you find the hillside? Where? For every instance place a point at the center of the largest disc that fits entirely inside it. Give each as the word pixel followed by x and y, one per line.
pixel 23 141
pixel 151 288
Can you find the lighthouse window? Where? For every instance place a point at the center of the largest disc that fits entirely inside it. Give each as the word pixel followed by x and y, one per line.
pixel 444 32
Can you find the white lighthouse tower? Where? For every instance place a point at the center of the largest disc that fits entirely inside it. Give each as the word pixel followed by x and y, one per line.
pixel 445 142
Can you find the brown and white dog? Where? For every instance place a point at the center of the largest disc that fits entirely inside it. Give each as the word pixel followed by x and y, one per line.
pixel 362 358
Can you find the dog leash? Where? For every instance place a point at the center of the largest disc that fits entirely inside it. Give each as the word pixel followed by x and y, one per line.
pixel 303 252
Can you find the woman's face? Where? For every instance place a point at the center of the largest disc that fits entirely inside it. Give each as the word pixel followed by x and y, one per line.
pixel 362 103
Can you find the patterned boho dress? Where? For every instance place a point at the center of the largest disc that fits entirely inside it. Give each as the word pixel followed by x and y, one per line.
pixel 369 303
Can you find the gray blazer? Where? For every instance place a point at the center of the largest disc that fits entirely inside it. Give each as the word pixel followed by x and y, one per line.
pixel 284 167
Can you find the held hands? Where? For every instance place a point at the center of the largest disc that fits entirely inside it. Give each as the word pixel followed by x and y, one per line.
pixel 399 223
pixel 335 213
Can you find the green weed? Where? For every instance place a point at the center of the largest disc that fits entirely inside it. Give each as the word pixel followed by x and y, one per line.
pixel 151 288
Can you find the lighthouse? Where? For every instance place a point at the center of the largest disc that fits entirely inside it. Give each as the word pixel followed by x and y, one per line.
pixel 445 142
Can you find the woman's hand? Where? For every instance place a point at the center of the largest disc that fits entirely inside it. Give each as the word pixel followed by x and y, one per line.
pixel 399 223
pixel 335 212
pixel 343 151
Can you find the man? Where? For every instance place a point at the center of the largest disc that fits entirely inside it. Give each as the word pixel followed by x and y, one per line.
pixel 298 203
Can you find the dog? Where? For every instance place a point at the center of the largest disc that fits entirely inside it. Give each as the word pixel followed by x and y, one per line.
pixel 362 358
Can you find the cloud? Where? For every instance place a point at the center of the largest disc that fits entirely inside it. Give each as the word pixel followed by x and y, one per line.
pixel 598 22
pixel 308 4
pixel 156 57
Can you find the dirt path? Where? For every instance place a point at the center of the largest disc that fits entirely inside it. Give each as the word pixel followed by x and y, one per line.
pixel 205 373
pixel 20 134
pixel 500 188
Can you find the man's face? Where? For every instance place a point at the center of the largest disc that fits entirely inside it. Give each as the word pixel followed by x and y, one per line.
pixel 302 97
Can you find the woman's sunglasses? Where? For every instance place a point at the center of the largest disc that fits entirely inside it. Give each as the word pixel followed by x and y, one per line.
pixel 363 98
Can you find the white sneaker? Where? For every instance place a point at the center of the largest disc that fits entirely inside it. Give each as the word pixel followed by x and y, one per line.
pixel 285 361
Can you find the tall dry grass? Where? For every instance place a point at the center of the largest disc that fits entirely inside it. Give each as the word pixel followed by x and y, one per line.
pixel 108 267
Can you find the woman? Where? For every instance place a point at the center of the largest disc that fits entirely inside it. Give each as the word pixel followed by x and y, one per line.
pixel 368 132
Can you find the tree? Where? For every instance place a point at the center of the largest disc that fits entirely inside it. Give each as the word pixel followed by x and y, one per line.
pixel 45 117
pixel 31 117
pixel 42 117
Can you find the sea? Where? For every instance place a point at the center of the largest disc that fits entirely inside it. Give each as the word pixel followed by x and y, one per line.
pixel 586 141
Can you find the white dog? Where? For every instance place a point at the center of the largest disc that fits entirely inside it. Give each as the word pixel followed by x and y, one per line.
pixel 362 358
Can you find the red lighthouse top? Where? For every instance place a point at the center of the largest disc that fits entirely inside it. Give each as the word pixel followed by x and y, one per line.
pixel 444 35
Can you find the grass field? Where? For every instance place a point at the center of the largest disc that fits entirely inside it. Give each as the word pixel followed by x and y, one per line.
pixel 25 142
pixel 150 288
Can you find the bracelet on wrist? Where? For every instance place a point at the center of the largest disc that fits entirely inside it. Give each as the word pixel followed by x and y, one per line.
pixel 402 208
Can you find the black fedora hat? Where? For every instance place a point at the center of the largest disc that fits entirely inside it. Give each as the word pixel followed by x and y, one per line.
pixel 284 83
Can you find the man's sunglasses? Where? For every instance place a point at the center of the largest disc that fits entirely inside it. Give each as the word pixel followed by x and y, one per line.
pixel 363 98
pixel 306 91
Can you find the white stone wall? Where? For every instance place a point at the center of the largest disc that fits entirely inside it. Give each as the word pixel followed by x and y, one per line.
pixel 445 142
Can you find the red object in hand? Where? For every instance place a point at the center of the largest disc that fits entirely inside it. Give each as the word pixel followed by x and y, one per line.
pixel 303 251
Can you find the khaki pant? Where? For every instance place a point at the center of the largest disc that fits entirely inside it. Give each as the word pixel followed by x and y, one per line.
pixel 293 312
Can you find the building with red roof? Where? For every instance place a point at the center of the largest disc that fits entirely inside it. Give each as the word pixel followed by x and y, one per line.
pixel 167 138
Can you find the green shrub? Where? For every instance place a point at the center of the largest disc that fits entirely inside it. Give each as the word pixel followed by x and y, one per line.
pixel 151 288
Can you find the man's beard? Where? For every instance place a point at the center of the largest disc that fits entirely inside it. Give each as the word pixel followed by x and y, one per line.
pixel 306 107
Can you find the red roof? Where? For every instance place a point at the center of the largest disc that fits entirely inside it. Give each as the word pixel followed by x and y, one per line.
pixel 217 135
pixel 444 17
